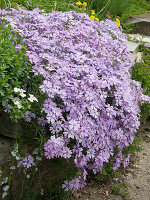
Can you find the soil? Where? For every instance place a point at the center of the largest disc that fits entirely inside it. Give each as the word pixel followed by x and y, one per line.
pixel 135 178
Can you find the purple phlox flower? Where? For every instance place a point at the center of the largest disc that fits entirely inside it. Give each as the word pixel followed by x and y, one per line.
pixel 27 162
pixel 126 160
pixel 74 184
pixel 41 121
pixel 29 116
pixel 19 46
pixel 55 147
pixel 43 132
pixel 8 108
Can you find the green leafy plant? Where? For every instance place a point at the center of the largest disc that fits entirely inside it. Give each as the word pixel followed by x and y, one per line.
pixel 14 71
pixel 141 73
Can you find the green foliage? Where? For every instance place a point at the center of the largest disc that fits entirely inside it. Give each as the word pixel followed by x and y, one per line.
pixel 135 7
pixel 132 148
pixel 129 28
pixel 120 189
pixel 115 7
pixel 54 192
pixel 141 73
pixel 47 5
pixel 14 69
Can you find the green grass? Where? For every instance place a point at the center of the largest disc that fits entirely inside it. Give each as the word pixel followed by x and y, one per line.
pixel 115 7
pixel 120 189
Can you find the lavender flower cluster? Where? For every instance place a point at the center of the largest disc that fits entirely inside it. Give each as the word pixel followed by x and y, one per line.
pixel 85 65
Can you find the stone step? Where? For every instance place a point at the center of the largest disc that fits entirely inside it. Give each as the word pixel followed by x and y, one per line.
pixel 142 22
pixel 133 47
pixel 141 38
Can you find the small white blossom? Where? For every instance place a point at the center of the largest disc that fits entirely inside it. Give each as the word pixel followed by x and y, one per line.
pixel 38 158
pixel 35 151
pixel 18 104
pixel 22 95
pixel 12 167
pixel 17 157
pixel 21 90
pixel 5 180
pixel 20 31
pixel 28 176
pixel 4 194
pixel 13 153
pixel 42 191
pixel 32 98
pixel 6 188
pixel 16 89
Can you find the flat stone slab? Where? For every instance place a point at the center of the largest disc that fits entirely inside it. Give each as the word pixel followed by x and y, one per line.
pixel 139 18
pixel 141 38
pixel 143 23
pixel 133 47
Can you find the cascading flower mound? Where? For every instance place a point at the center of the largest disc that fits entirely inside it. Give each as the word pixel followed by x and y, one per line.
pixel 92 104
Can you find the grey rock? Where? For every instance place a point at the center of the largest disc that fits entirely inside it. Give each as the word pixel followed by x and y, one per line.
pixel 5 147
pixel 142 22
pixel 132 46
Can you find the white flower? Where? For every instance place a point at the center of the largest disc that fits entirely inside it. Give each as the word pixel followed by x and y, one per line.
pixel 35 151
pixel 32 98
pixel 3 18
pixel 16 89
pixel 42 191
pixel 28 176
pixel 12 24
pixel 17 157
pixel 5 180
pixel 4 194
pixel 22 94
pixel 12 167
pixel 21 90
pixel 18 104
pixel 13 153
pixel 38 158
pixel 20 31
pixel 6 188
